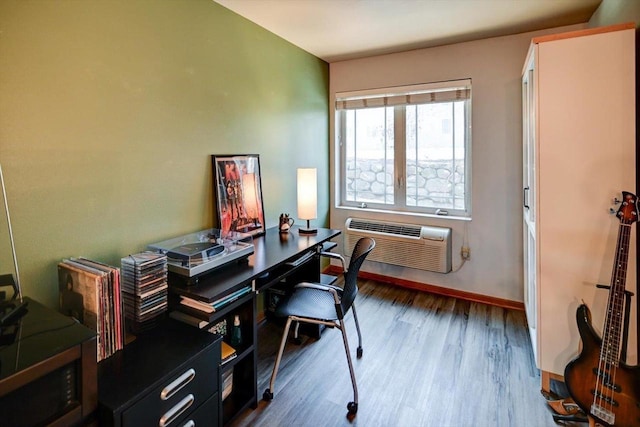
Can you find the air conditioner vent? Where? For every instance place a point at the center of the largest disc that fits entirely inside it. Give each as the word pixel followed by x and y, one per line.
pixel 415 246
pixel 388 228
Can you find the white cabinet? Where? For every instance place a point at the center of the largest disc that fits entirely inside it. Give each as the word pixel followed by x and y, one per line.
pixel 529 195
pixel 579 153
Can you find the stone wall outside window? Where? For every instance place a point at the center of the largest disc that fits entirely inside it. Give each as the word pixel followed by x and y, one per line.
pixel 438 182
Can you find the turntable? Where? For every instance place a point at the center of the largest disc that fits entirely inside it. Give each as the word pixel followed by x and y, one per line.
pixel 196 253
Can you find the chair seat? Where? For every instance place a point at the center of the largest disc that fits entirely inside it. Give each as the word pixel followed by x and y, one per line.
pixel 308 302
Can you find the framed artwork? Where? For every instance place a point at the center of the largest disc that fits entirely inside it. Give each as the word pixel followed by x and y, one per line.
pixel 237 193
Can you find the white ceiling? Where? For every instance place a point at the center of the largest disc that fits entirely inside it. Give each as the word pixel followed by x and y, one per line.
pixel 336 30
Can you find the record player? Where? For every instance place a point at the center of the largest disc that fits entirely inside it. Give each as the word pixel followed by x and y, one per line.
pixel 196 253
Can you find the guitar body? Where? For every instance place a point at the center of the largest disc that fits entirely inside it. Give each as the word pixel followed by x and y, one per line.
pixel 581 374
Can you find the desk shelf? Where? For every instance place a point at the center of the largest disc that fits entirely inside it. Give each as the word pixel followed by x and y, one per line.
pixel 305 267
pixel 276 260
pixel 244 391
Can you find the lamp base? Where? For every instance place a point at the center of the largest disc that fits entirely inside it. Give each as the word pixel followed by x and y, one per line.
pixel 308 229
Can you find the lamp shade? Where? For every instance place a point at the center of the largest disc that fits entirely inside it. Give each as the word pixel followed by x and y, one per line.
pixel 307 193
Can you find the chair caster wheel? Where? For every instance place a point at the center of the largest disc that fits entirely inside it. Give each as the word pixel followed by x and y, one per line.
pixel 352 407
pixel 297 341
pixel 267 395
pixel 359 352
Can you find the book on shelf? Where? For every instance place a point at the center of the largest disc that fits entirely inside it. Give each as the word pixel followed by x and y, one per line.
pixel 227 353
pixel 227 383
pixel 188 319
pixel 198 305
pixel 221 302
pixel 200 309
pixel 90 292
pixel 194 312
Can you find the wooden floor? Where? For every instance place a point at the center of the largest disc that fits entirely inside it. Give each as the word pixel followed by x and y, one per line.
pixel 428 361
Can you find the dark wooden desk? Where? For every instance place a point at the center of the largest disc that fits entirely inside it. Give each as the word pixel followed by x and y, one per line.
pixel 276 258
pixel 271 252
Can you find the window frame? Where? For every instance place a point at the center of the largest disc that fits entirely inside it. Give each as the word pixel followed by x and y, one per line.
pixel 400 150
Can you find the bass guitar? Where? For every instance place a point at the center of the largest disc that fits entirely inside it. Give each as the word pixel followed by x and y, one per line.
pixel 604 387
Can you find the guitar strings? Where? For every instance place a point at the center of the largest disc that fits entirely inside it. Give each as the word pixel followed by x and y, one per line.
pixel 598 396
pixel 610 350
pixel 599 400
pixel 618 304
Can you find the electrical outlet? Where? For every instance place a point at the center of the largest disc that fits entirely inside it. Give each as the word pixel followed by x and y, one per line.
pixel 465 252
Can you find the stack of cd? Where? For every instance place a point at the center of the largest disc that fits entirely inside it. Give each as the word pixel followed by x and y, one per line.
pixel 144 289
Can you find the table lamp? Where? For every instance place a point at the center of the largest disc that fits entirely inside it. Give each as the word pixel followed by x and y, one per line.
pixel 307 198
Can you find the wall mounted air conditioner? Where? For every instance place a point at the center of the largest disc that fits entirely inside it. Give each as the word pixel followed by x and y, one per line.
pixel 407 245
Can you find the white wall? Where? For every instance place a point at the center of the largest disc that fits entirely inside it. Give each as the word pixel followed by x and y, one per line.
pixel 616 12
pixel 495 230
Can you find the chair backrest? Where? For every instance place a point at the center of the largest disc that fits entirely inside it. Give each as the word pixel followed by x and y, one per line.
pixel 350 290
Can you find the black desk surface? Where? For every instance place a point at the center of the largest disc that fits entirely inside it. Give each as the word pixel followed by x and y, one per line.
pixel 271 250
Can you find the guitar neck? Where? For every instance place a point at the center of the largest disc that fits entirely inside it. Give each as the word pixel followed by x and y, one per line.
pixel 615 307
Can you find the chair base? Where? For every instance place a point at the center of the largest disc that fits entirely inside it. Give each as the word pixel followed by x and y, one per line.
pixel 353 408
pixel 353 405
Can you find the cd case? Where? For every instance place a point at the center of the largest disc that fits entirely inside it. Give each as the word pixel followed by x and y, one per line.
pixel 199 252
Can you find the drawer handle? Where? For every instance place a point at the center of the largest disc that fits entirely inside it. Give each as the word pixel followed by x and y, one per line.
pixel 173 413
pixel 189 423
pixel 177 384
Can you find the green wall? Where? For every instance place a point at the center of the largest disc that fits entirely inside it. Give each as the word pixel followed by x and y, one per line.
pixel 110 110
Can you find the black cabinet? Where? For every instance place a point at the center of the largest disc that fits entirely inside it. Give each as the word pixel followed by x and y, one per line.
pixel 169 376
pixel 48 369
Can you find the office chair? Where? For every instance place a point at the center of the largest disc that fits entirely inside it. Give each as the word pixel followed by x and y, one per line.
pixel 325 305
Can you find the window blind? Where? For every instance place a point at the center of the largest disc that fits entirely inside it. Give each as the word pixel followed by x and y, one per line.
pixel 409 95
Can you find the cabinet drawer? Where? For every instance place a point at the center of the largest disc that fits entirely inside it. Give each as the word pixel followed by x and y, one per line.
pixel 206 415
pixel 178 395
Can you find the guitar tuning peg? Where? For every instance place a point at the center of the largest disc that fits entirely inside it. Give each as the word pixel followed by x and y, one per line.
pixel 616 201
pixel 612 211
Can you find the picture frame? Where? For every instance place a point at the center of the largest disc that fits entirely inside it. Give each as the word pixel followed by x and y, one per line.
pixel 237 193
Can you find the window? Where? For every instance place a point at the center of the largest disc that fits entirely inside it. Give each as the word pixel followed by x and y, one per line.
pixel 406 149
